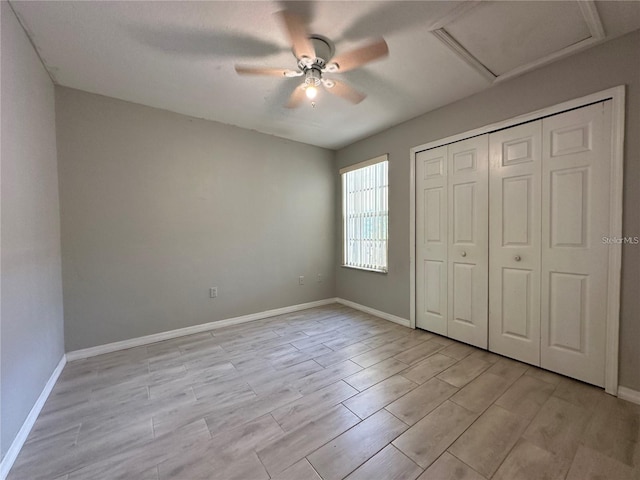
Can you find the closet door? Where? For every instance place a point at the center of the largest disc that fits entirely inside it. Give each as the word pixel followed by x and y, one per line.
pixel 514 248
pixel 431 244
pixel 575 217
pixel 468 240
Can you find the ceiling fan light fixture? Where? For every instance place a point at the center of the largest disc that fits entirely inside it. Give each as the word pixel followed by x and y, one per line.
pixel 312 77
pixel 315 56
pixel 311 91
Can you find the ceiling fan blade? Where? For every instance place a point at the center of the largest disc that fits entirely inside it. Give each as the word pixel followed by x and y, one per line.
pixel 272 72
pixel 361 56
pixel 298 35
pixel 296 97
pixel 343 90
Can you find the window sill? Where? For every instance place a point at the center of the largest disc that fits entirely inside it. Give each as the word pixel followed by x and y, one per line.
pixel 372 270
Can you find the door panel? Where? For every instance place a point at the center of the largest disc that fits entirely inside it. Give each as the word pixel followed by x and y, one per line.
pixel 463 213
pixel 575 218
pixel 463 298
pixel 468 240
pixel 431 240
pixel 514 252
pixel 516 303
pixel 567 320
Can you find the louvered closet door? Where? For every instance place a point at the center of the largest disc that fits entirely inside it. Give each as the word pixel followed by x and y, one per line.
pixel 575 217
pixel 468 240
pixel 431 244
pixel 514 249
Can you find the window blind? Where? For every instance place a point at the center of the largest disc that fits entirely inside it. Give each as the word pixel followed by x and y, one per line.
pixel 366 214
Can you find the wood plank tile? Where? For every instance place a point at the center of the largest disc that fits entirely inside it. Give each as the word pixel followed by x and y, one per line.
pixel 344 454
pixel 487 442
pixel 426 369
pixel 615 431
pixel 317 351
pixel 427 439
pixel 477 395
pixel 457 350
pixel 526 396
pixel 373 399
pixel 385 351
pixel 265 383
pixel 234 415
pixel 508 369
pixel 418 353
pixel 388 464
pixel 326 376
pixel 486 356
pixel 544 375
pixel 297 444
pixel 313 405
pixel 299 471
pixel 245 438
pixel 530 462
pixel 580 394
pixel 342 354
pixel 186 408
pixel 558 427
pixel 592 465
pixel 177 415
pixel 133 463
pixel 215 467
pixel 383 338
pixel 463 372
pixel 450 468
pixel 375 374
pixel 420 402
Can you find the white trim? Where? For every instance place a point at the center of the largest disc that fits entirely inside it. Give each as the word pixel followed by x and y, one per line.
pixel 612 93
pixel 552 57
pixel 180 332
pixel 412 240
pixel 592 18
pixel 617 95
pixel 382 158
pixel 615 251
pixel 463 54
pixel 23 433
pixel 458 11
pixel 629 395
pixel 378 313
pixel 589 14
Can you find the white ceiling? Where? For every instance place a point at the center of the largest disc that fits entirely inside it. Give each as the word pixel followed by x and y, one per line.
pixel 180 56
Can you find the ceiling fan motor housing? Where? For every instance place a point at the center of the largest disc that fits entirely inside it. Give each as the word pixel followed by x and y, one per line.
pixel 324 49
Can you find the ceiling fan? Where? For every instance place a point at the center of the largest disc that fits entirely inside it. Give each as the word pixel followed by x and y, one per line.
pixel 314 56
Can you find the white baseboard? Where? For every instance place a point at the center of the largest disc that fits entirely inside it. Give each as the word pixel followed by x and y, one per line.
pixel 629 395
pixel 180 332
pixel 387 316
pixel 23 433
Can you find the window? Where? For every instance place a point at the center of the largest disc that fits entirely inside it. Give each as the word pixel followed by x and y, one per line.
pixel 365 213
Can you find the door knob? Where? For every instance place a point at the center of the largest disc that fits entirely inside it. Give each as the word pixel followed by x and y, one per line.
pixel 464 254
pixel 517 258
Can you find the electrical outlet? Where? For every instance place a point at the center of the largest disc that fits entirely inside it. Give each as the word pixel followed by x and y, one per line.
pixel 301 280
pixel 213 292
pixel 319 278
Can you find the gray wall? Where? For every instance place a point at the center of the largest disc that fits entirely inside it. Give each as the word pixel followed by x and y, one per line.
pixel 157 207
pixel 613 63
pixel 31 319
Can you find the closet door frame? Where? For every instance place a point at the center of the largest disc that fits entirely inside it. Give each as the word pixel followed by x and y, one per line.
pixel 617 96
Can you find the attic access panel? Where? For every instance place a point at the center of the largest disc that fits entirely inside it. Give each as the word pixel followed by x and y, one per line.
pixel 505 39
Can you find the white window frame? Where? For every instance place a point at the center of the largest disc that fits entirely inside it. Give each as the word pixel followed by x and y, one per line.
pixel 378 206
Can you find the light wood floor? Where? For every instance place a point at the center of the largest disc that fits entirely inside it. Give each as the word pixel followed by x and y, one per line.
pixel 328 393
